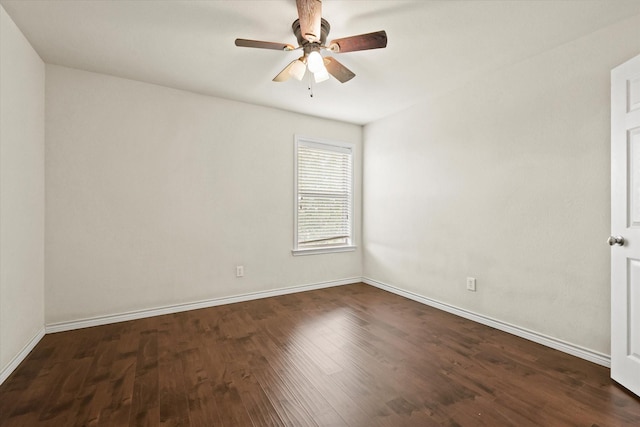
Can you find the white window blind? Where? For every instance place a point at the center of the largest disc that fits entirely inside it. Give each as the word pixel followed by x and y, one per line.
pixel 324 182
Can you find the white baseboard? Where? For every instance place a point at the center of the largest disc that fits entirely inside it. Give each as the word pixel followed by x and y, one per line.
pixel 566 347
pixel 170 309
pixel 8 370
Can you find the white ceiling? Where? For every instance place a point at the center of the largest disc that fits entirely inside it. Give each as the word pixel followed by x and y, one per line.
pixel 434 46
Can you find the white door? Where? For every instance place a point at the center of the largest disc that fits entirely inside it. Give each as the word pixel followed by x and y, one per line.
pixel 625 224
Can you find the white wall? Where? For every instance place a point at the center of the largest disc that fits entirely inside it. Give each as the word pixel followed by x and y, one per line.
pixel 507 180
pixel 21 194
pixel 154 195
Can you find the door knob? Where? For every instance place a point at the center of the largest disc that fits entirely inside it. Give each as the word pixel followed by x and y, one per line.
pixel 615 240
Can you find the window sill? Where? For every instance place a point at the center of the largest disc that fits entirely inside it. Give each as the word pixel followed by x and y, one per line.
pixel 314 251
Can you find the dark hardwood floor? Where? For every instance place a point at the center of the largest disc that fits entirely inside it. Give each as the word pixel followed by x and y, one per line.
pixel 346 356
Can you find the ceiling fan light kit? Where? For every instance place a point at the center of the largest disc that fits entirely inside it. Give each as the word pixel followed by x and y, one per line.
pixel 321 75
pixel 315 62
pixel 298 68
pixel 311 31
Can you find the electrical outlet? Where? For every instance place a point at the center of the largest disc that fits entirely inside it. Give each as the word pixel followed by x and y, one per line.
pixel 239 270
pixel 471 284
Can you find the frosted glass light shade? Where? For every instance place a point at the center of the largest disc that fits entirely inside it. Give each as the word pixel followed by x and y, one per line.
pixel 298 69
pixel 315 62
pixel 321 75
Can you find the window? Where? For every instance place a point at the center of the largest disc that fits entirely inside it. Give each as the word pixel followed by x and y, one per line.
pixel 324 197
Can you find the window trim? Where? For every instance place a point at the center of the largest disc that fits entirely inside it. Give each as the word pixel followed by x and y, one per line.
pixel 350 245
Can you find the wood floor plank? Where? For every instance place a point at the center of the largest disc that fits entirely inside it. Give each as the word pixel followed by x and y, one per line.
pixel 117 410
pixel 202 407
pixel 145 409
pixel 95 390
pixel 345 356
pixel 172 399
pixel 222 387
pixel 296 399
pixel 70 371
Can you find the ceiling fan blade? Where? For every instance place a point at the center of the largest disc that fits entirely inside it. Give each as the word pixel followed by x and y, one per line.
pixel 375 40
pixel 295 69
pixel 310 14
pixel 264 45
pixel 337 70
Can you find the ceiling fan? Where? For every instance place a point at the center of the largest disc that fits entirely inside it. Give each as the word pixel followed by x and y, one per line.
pixel 311 30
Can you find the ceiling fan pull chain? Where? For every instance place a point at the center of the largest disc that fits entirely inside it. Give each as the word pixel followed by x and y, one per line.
pixel 310 85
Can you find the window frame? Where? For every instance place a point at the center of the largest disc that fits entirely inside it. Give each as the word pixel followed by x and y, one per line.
pixel 340 145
